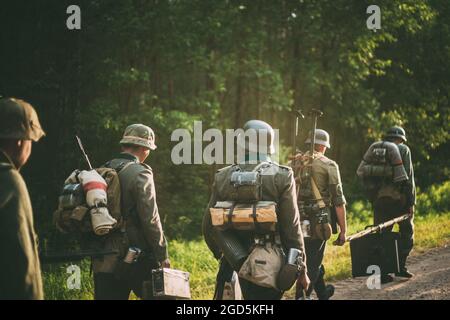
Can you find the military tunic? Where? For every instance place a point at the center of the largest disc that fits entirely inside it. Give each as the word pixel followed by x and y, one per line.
pixel 143 228
pixel 386 208
pixel 411 185
pixel 20 271
pixel 278 185
pixel 326 175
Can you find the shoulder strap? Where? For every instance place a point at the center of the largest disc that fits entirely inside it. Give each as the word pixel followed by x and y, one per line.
pixel 230 215
pixel 316 192
pixel 255 219
pixel 258 167
pixel 123 166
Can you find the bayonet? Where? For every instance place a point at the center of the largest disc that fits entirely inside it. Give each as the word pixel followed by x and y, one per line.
pixel 80 145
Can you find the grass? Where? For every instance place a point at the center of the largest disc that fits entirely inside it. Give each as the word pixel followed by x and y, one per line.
pixel 431 231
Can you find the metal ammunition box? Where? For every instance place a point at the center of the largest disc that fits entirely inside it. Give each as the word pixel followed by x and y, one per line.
pixel 170 284
pixel 376 249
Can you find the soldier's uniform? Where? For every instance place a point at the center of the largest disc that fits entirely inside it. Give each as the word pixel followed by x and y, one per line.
pixel 326 175
pixel 142 228
pixel 20 271
pixel 395 200
pixel 279 187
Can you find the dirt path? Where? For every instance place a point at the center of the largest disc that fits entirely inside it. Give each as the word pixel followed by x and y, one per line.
pixel 431 281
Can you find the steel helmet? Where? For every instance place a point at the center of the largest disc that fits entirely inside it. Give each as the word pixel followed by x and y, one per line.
pixel 396 132
pixel 264 131
pixel 322 138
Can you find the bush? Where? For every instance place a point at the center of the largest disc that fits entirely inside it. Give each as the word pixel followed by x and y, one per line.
pixel 360 211
pixel 436 200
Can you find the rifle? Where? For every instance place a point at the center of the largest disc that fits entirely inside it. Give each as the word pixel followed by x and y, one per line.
pixel 56 257
pixel 314 113
pixel 378 228
pixel 298 113
pixel 80 145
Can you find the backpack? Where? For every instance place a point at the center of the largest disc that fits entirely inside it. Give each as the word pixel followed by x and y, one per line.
pixel 311 204
pixel 244 210
pixel 381 166
pixel 75 216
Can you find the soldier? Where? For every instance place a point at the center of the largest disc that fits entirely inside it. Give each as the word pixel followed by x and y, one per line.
pixel 396 199
pixel 143 227
pixel 279 186
pixel 320 191
pixel 20 271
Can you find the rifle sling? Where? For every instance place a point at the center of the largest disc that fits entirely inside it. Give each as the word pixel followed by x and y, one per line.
pixel 316 192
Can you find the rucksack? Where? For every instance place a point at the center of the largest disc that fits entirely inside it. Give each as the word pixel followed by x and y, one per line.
pixel 383 160
pixel 243 208
pixel 381 166
pixel 311 205
pixel 75 216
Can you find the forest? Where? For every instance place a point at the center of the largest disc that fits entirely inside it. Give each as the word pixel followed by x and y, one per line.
pixel 168 63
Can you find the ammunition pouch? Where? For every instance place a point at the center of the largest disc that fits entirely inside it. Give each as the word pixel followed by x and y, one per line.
pixel 320 219
pixel 321 224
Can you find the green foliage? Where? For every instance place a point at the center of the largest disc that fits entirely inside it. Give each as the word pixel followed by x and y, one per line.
pixel 55 282
pixel 435 200
pixel 360 212
pixel 168 63
pixel 194 257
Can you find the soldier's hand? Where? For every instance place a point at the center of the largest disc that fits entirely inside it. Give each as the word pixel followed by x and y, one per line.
pixel 165 263
pixel 340 239
pixel 304 281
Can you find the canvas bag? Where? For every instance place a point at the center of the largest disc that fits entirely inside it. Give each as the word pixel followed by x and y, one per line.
pixel 263 265
pixel 72 216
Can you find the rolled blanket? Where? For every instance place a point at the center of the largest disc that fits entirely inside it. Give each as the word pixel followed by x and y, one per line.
pixel 102 222
pixel 95 187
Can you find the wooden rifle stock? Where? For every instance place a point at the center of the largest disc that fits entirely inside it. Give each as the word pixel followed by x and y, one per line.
pixel 378 228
